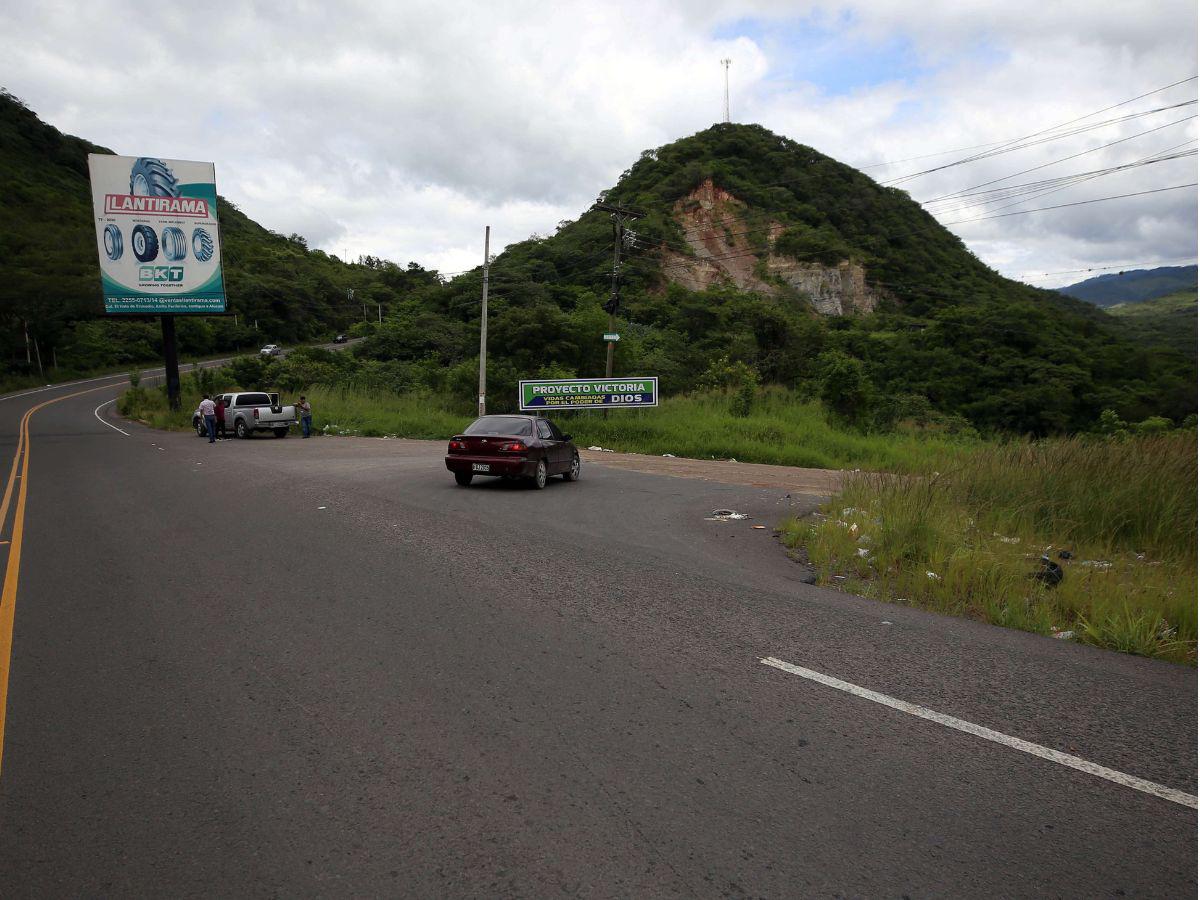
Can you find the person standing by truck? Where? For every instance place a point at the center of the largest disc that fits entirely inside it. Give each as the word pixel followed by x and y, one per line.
pixel 208 409
pixel 305 410
pixel 219 412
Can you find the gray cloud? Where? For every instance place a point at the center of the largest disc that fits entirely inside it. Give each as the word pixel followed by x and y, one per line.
pixel 399 130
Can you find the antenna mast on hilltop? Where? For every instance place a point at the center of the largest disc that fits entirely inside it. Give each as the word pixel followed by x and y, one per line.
pixel 725 63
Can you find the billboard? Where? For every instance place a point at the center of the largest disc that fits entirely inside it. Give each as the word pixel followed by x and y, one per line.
pixel 589 393
pixel 156 230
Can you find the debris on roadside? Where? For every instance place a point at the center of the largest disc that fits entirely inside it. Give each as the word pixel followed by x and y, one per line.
pixel 600 449
pixel 1100 564
pixel 665 455
pixel 864 553
pixel 1065 554
pixel 1050 573
pixel 758 527
pixel 1062 635
pixel 1006 540
pixel 725 515
pixel 933 576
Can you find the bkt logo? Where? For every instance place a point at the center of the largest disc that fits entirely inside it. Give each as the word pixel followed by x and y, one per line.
pixel 160 273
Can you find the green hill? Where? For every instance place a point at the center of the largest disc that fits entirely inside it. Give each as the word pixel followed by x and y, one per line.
pixel 1168 322
pixel 743 233
pixel 1134 286
pixel 758 260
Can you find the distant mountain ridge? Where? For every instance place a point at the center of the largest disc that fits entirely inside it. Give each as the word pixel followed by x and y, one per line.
pixel 1135 286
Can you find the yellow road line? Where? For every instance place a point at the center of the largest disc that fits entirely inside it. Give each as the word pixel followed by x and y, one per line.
pixel 12 477
pixel 8 596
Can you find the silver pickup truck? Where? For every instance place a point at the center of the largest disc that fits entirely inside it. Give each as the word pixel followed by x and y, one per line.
pixel 251 411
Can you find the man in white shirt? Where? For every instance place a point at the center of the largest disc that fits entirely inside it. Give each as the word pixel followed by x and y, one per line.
pixel 208 409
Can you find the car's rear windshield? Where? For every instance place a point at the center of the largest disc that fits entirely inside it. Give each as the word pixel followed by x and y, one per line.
pixel 500 425
pixel 253 400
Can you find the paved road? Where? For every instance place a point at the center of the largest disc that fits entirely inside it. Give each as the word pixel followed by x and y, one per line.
pixel 291 668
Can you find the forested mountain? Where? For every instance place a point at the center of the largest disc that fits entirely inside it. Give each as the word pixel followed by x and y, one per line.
pixel 1164 321
pixel 757 260
pixel 1133 286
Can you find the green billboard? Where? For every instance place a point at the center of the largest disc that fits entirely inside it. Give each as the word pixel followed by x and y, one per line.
pixel 589 393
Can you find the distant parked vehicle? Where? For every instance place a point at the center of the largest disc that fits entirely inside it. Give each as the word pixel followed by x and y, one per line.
pixel 271 350
pixel 512 447
pixel 341 339
pixel 246 413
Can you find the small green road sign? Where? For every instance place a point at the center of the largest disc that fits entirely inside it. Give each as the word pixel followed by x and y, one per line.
pixel 612 336
pixel 589 393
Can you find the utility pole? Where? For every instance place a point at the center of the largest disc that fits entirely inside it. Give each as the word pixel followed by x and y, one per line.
pixel 28 355
pixel 487 243
pixel 620 215
pixel 725 63
pixel 380 305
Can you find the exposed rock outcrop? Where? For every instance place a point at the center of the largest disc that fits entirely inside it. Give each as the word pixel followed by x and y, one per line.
pixel 716 228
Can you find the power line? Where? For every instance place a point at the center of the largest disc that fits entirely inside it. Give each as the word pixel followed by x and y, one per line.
pixel 1042 132
pixel 1064 159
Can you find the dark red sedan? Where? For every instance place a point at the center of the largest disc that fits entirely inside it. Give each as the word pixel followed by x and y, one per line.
pixel 512 447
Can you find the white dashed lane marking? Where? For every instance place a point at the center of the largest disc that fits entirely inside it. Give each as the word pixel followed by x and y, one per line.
pixel 1015 743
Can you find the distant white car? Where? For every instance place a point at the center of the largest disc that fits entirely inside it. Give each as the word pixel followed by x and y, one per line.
pixel 271 350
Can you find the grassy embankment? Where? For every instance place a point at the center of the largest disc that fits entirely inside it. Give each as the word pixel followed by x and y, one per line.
pixel 964 540
pixel 780 430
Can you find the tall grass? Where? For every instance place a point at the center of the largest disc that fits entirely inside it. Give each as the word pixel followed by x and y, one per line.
pixel 966 539
pixel 780 429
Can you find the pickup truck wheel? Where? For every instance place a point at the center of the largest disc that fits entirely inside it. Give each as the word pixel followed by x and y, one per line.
pixel 463 478
pixel 540 476
pixel 241 430
pixel 201 428
pixel 280 432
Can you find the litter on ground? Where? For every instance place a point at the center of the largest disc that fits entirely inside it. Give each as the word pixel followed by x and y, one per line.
pixel 725 515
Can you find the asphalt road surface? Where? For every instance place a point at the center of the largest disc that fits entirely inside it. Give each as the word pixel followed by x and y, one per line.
pixel 297 668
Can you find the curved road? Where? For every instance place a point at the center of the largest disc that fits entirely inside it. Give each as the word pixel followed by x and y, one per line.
pixel 282 668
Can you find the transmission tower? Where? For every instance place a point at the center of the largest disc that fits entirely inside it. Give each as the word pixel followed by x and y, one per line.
pixel 725 63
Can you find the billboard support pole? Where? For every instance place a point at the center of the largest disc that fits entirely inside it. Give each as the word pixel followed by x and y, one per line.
pixel 171 361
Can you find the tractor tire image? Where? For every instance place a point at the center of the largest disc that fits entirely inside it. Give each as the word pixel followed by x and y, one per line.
pixel 202 245
pixel 145 243
pixel 114 244
pixel 151 178
pixel 174 244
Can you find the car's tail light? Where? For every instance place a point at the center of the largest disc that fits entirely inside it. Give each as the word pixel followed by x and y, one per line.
pixel 256 413
pixel 512 447
pixel 457 445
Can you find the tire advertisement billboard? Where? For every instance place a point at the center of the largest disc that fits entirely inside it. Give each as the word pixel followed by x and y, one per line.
pixel 156 230
pixel 589 393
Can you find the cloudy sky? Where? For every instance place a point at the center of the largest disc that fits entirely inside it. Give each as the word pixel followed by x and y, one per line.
pixel 401 129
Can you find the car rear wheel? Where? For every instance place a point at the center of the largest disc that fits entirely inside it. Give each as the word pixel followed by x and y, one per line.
pixel 201 428
pixel 463 478
pixel 572 474
pixel 540 476
pixel 241 430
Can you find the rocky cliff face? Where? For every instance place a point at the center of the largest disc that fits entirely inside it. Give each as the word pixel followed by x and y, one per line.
pixel 716 228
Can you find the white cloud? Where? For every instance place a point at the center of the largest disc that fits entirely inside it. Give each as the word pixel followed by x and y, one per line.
pixel 401 130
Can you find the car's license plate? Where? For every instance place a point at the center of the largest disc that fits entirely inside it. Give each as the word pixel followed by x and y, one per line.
pixel 480 467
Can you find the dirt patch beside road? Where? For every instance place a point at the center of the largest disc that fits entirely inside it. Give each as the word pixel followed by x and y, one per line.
pixel 819 482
